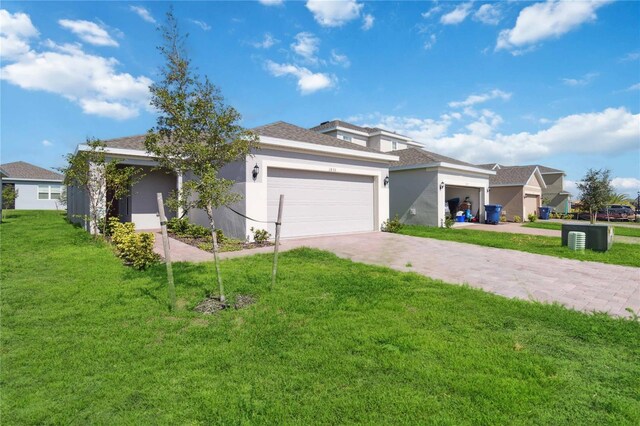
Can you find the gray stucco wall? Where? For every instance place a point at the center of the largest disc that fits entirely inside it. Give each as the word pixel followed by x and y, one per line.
pixel 27 198
pixel 414 190
pixel 231 224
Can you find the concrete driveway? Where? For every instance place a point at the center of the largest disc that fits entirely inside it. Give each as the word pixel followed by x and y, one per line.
pixel 585 286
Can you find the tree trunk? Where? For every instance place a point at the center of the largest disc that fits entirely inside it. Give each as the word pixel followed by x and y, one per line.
pixel 215 252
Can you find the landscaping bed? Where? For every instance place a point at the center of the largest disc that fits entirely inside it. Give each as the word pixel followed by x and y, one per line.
pixel 87 340
pixel 228 244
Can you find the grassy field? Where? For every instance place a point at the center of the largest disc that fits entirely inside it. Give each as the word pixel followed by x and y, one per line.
pixel 625 231
pixel 619 254
pixel 87 340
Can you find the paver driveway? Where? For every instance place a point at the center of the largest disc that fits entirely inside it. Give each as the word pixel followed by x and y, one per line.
pixel 585 286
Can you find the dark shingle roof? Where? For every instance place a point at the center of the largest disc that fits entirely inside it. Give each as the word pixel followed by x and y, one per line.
pixel 545 169
pixel 515 175
pixel 488 166
pixel 335 123
pixel 129 142
pixel 22 170
pixel 413 156
pixel 282 130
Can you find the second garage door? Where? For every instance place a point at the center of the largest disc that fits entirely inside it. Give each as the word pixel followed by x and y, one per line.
pixel 530 205
pixel 317 203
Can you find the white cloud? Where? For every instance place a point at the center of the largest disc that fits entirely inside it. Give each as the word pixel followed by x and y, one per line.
pixel 586 79
pixel 15 31
pixel 46 143
pixel 338 59
pixel 89 32
pixel 306 46
pixel 550 19
pixel 367 22
pixel 91 81
pixel 631 56
pixel 267 41
pixel 489 14
pixel 429 13
pixel 430 42
pixel 633 87
pixel 271 2
pixel 626 184
pixel 334 13
pixel 203 25
pixel 143 13
pixel 308 82
pixel 478 99
pixel 457 15
pixel 611 131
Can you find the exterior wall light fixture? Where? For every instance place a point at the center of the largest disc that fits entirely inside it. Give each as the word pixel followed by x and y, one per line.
pixel 386 181
pixel 256 170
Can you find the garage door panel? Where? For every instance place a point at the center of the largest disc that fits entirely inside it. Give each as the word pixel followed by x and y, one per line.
pixel 319 203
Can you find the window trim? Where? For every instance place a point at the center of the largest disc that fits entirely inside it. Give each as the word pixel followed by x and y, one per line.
pixel 57 190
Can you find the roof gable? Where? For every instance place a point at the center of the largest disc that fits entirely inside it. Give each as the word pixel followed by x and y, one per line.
pixel 24 170
pixel 516 176
pixel 417 156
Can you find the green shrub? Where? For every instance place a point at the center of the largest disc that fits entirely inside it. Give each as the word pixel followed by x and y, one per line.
pixel 448 222
pixel 392 225
pixel 134 248
pixel 503 217
pixel 260 236
pixel 183 228
pixel 517 219
pixel 532 217
pixel 178 225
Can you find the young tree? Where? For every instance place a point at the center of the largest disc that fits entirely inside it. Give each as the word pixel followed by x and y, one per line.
pixel 103 180
pixel 195 132
pixel 9 195
pixel 595 191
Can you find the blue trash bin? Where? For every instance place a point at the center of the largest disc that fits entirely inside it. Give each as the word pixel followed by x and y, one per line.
pixel 492 212
pixel 544 213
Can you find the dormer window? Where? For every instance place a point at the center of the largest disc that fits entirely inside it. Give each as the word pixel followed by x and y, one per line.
pixel 394 145
pixel 346 138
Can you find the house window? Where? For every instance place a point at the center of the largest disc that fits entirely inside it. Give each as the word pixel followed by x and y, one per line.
pixel 394 145
pixel 346 138
pixel 49 192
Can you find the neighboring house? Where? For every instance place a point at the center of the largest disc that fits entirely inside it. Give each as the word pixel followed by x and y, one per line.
pixel 554 194
pixel 331 186
pixel 37 188
pixel 518 189
pixel 422 182
pixel 371 137
pixel 2 176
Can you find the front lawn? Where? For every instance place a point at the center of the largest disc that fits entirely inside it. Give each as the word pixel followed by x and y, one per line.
pixel 625 231
pixel 620 253
pixel 86 340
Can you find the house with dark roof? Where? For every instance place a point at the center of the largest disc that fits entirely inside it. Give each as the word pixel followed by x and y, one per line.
pixel 554 195
pixel 37 188
pixel 373 137
pixel 518 189
pixel 331 185
pixel 424 184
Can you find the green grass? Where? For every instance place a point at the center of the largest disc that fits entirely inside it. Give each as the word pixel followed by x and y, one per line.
pixel 619 254
pixel 557 226
pixel 86 340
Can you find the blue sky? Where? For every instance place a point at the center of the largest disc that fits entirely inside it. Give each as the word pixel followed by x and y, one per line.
pixel 554 83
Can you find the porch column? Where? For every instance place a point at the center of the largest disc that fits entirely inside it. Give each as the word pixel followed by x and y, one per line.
pixel 97 207
pixel 179 188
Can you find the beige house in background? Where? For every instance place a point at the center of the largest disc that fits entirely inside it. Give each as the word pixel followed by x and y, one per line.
pixel 557 198
pixel 518 189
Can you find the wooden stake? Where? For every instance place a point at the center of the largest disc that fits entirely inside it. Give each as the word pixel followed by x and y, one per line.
pixel 277 245
pixel 214 237
pixel 167 254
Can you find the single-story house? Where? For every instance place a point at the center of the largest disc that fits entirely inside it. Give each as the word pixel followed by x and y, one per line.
pixel 37 188
pixel 372 137
pixel 422 182
pixel 518 189
pixel 331 186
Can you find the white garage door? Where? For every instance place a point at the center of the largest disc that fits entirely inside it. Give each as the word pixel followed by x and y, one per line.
pixel 317 203
pixel 530 205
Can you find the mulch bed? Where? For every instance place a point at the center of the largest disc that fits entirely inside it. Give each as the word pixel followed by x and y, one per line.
pixel 234 246
pixel 211 305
